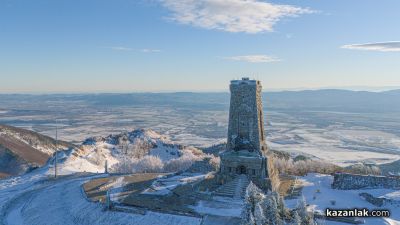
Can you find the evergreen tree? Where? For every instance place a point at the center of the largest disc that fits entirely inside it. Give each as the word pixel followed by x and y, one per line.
pixel 247 215
pixel 280 204
pixel 271 210
pixel 296 218
pixel 307 218
pixel 259 215
pixel 252 198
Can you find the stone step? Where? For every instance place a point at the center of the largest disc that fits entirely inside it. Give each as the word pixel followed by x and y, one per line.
pixel 235 188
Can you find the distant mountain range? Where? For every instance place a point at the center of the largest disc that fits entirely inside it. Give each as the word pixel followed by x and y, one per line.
pixel 325 100
pixel 336 100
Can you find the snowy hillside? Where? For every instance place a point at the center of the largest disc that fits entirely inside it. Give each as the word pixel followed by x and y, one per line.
pixel 135 151
pixel 40 142
pixel 21 150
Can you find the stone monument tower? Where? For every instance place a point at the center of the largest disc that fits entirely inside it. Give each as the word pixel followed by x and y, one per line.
pixel 246 151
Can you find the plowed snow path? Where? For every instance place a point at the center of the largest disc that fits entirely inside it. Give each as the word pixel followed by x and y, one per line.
pixel 38 201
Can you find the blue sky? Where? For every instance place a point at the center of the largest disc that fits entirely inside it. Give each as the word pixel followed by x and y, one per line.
pixel 187 45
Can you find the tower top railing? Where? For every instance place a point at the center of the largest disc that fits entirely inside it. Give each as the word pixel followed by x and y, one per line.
pixel 244 80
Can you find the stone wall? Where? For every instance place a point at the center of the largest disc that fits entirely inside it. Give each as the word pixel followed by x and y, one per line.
pixel 273 173
pixel 347 181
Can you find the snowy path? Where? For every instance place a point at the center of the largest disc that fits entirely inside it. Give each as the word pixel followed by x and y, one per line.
pixel 33 200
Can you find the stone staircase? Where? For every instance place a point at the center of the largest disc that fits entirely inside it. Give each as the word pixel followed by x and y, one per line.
pixel 234 189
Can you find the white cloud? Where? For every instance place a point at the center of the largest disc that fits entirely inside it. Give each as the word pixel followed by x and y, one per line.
pixel 120 48
pixel 254 58
pixel 249 16
pixel 393 46
pixel 144 50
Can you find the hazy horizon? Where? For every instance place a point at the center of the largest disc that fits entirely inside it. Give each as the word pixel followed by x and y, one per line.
pixel 368 89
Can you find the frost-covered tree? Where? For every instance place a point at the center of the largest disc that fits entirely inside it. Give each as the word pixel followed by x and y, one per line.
pixel 302 167
pixel 148 164
pixel 282 211
pixel 296 220
pixel 271 208
pixel 253 198
pixel 307 218
pixel 363 169
pixel 302 208
pixel 259 215
pixel 179 164
pixel 247 214
pixel 262 209
pixel 125 165
pixel 215 162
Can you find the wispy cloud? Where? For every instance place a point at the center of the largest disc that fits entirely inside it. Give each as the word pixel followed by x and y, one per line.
pixel 392 46
pixel 144 50
pixel 253 58
pixel 249 16
pixel 120 48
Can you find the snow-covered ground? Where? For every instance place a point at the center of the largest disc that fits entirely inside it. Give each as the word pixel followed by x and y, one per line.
pixel 337 144
pixel 164 186
pixel 220 206
pixel 31 199
pixel 34 199
pixel 320 200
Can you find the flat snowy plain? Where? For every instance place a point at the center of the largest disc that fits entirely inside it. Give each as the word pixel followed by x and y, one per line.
pixel 328 128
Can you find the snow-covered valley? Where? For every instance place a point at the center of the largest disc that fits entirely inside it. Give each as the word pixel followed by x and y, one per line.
pixel 343 133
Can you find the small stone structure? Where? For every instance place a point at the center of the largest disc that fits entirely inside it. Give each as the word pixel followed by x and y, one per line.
pixel 346 181
pixel 246 151
pixel 373 200
pixel 379 201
